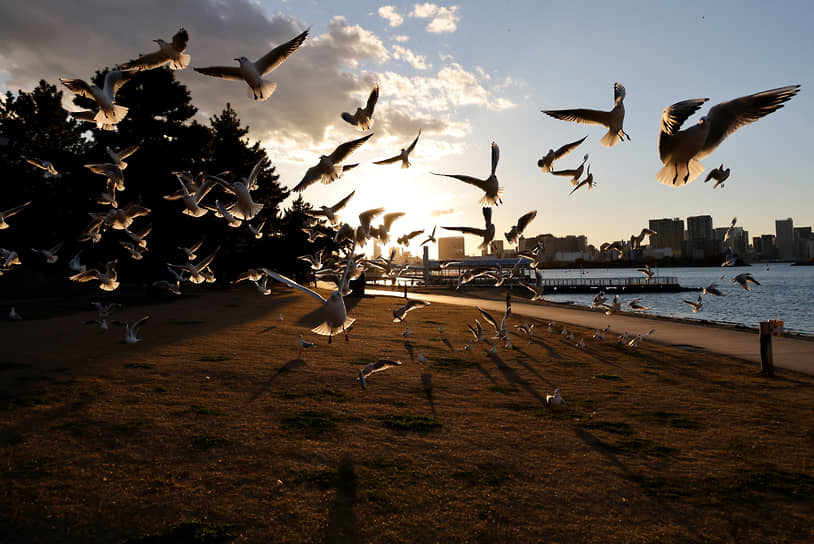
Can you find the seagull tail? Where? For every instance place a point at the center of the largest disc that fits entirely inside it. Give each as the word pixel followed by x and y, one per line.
pixel 405 164
pixel 611 138
pixel 673 174
pixel 107 118
pixel 264 91
pixel 326 330
pixel 181 63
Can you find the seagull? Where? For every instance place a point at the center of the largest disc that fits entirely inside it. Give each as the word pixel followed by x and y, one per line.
pixel 138 236
pixel 489 186
pixel 41 164
pixel 8 258
pixel 314 233
pixel 431 237
pixel 382 232
pixel 399 314
pixel 314 260
pixel 403 155
pixel 574 173
pixel 190 251
pixel 363 230
pixel 330 211
pixel 527 329
pixel 636 241
pixel 378 366
pixel 108 198
pixel 548 159
pixel 581 343
pixel 13 315
pixel 106 310
pixel 9 213
pixel 244 208
pixel 220 211
pixel 109 170
pixel 333 308
pixel 252 72
pixel 521 225
pixel 728 233
pixel 118 156
pixel 109 113
pixel 589 181
pixel 262 286
pixel 258 230
pixel 405 239
pixel 196 270
pixel 538 286
pixel 406 332
pixel 168 53
pixel 363 118
pixel 555 399
pixel 647 271
pixel 136 253
pixel 613 246
pixel 712 289
pixel 744 279
pixel 172 287
pixel 635 304
pixel 680 150
pixel 613 119
pixel 252 274
pixel 107 280
pixel 304 344
pixel 500 330
pixel 131 330
pixel 421 357
pixel 50 254
pixel 193 199
pixel 487 233
pixel 329 168
pixel 696 306
pixel 720 175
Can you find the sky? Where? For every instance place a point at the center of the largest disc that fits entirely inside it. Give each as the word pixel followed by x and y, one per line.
pixel 467 74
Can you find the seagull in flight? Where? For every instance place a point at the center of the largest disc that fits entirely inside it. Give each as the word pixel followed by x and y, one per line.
pixel 109 112
pixel 720 175
pixel 487 233
pixel 547 162
pixel 400 313
pixel 521 225
pixel 697 305
pixel 378 366
pixel 744 279
pixel 41 164
pixel 363 118
pixel 330 211
pixel 9 213
pixel 589 181
pixel 131 330
pixel 431 237
pixel 574 173
pixel 403 155
pixel 613 119
pixel 329 168
pixel 681 150
pixel 171 53
pixel 252 72
pixel 489 186
pixel 405 239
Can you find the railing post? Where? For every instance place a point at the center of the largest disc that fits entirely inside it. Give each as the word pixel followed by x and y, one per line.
pixel 766 362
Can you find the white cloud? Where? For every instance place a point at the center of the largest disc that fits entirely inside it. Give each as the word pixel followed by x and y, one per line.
pixel 401 38
pixel 419 62
pixel 444 19
pixel 391 15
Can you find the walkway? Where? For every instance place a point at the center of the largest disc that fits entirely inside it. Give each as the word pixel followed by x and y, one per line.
pixel 789 353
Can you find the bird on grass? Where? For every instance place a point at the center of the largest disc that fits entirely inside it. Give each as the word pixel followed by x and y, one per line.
pixel 555 399
pixel 304 345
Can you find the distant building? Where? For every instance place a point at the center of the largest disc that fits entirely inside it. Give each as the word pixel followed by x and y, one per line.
pixel 560 249
pixel 784 241
pixel 451 248
pixel 670 235
pixel 763 247
pixel 700 243
pixel 802 235
pixel 699 227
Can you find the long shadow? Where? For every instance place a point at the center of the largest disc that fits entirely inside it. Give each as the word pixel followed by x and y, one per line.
pixel 426 382
pixel 596 445
pixel 267 329
pixel 513 378
pixel 287 367
pixel 551 351
pixel 409 347
pixel 530 368
pixel 448 344
pixel 342 523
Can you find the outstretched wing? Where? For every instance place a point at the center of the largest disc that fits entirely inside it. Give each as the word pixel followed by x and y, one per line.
pixel 524 220
pixel 412 145
pixel 391 160
pixel 115 79
pixel 567 148
pixel 223 72
pixel 727 117
pixel 581 115
pixel 495 157
pixel 180 40
pixel 341 204
pixel 124 153
pixel 479 183
pixel 371 100
pixel 311 176
pixel 488 318
pixel 277 56
pixel 294 284
pixel 77 86
pixel 468 230
pixel 343 150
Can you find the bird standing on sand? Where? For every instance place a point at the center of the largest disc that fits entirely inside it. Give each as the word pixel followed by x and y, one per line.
pixel 555 399
pixel 252 72
pixel 613 119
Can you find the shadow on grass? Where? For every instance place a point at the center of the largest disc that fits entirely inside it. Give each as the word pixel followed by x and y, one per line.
pixel 343 525
pixel 287 367
pixel 426 382
pixel 513 378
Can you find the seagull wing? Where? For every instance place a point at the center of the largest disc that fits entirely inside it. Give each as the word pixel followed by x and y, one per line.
pixel 294 284
pixel 468 230
pixel 124 153
pixel 343 150
pixel 727 117
pixel 78 86
pixel 391 160
pixel 389 218
pixel 371 100
pixel 567 148
pixel 495 157
pixel 138 324
pixel 341 204
pixel 312 175
pixel 524 220
pixel 115 79
pixel 367 216
pixel 277 56
pixel 479 183
pixel 146 62
pixel 412 145
pixel 671 120
pixel 581 115
pixel 15 210
pixel 488 318
pixel 223 72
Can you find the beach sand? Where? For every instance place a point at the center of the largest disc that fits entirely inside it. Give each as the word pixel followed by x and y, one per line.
pixel 213 420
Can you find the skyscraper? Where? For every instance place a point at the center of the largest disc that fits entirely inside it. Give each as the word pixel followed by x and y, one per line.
pixel 784 230
pixel 670 234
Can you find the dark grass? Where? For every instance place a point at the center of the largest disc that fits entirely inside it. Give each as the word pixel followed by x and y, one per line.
pixel 420 424
pixel 668 419
pixel 189 532
pixel 310 423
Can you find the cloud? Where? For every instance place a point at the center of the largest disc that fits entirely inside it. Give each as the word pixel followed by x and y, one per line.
pixel 391 15
pixel 419 62
pixel 443 19
pixel 401 38
pixel 439 213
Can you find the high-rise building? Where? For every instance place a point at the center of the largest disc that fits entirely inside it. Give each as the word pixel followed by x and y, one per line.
pixel 784 241
pixel 701 243
pixel 451 248
pixel 670 235
pixel 802 235
pixel 699 227
pixel 764 246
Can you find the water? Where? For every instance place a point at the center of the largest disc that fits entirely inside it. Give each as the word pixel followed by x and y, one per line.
pixel 785 292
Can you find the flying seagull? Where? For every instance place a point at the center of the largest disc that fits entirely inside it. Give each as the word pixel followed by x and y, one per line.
pixel 744 279
pixel 109 113
pixel 405 239
pixel 329 168
pixel 487 233
pixel 521 225
pixel 403 155
pixel 547 162
pixel 574 173
pixel 118 155
pixel 10 212
pixel 41 164
pixel 720 175
pixel 589 181
pixel 399 314
pixel 681 150
pixel 252 72
pixel 168 53
pixel 378 366
pixel 330 211
pixel 489 185
pixel 613 119
pixel 363 118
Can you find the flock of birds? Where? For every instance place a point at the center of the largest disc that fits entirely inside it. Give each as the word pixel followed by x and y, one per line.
pixel 679 149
